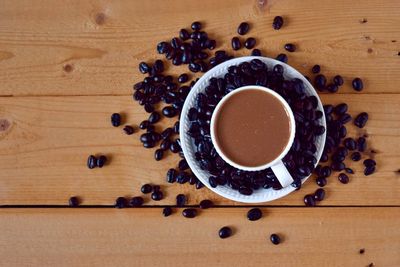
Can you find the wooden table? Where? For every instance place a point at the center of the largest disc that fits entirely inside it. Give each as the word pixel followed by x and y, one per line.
pixel 65 66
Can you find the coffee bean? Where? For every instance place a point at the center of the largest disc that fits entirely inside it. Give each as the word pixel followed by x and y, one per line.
pixel 189 213
pixel 361 120
pixel 343 178
pixel 91 162
pixel 205 204
pixel 225 232
pixel 162 47
pixel 73 202
pixel 171 176
pixel 369 170
pixel 369 162
pixel 196 26
pixel 316 69
pixel 167 211
pixel 340 109
pixel 212 181
pixel 184 34
pixel 290 47
pixel 309 200
pixel 116 119
pixel 146 188
pixel 332 88
pixel 338 80
pixel 245 191
pixel 180 200
pixel 345 118
pixel 175 147
pixel 169 111
pixel 243 28
pixel 358 84
pixel 183 165
pixel 275 239
pixel 199 184
pixel 250 43
pixel 361 144
pixel 282 58
pixel 236 45
pixel 158 154
pixel 154 117
pixel 320 82
pixel 319 194
pixel 350 143
pixel 321 181
pixel 144 67
pixel 120 202
pixel 128 130
pixel 256 52
pixel 254 214
pixel 144 124
pixel 136 201
pixel 149 108
pixel 355 156
pixel 101 161
pixel 277 23
pixel 156 195
pixel 183 78
pixel 176 127
pixel 165 144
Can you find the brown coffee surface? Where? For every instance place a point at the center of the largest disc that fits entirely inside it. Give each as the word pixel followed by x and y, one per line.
pixel 252 128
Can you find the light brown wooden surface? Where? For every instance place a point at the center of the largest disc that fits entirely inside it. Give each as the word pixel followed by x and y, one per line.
pixel 65 66
pixel 142 237
pixel 103 41
pixel 43 154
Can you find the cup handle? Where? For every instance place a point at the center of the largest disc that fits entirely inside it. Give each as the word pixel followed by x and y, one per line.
pixel 282 174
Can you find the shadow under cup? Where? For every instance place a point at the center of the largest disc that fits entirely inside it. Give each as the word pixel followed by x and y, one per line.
pixel 253 128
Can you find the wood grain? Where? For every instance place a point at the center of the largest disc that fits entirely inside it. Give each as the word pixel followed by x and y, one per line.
pixel 93 47
pixel 142 237
pixel 43 153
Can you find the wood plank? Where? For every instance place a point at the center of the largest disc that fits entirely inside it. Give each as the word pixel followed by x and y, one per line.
pixel 107 237
pixel 94 47
pixel 43 154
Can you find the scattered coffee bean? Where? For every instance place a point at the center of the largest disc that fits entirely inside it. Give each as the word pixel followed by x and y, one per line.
pixel 320 82
pixel 236 45
pixel 183 165
pixel 128 130
pixel 176 127
pixel 154 117
pixel 316 69
pixel 189 213
pixel 250 43
pixel 340 109
pixel 319 194
pixel 275 239
pixel 321 181
pixel 91 162
pixel 144 67
pixel 290 47
pixel 243 28
pixel 225 232
pixel 169 111
pixel 282 58
pixel 196 26
pixel 73 202
pixel 175 147
pixel 136 201
pixel 158 154
pixel 167 211
pixel 146 189
pixel 343 178
pixel 205 204
pixel 120 202
pixel 116 119
pixel 358 84
pixel 144 124
pixel 361 144
pixel 361 120
pixel 254 214
pixel 277 23
pixel 338 80
pixel 183 78
pixel 350 143
pixel 309 200
pixel 362 251
pixel 369 162
pixel 180 200
pixel 101 161
pixel 156 195
pixel 349 170
pixel 355 156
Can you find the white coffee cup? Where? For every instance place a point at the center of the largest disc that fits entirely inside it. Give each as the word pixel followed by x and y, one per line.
pixel 277 166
